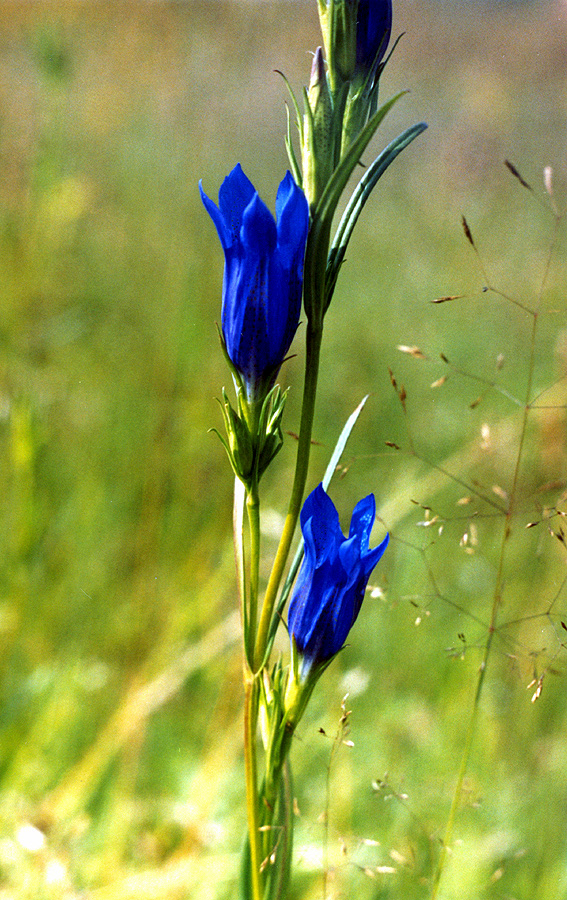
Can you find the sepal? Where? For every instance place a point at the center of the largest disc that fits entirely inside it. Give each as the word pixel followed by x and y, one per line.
pixel 270 428
pixel 271 711
pixel 253 433
pixel 300 684
pixel 238 442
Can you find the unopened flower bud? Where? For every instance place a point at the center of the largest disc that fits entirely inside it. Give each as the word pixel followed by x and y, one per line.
pixel 318 135
pixel 373 30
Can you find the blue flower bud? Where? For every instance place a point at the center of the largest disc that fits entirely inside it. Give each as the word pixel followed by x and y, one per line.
pixel 373 30
pixel 263 276
pixel 332 580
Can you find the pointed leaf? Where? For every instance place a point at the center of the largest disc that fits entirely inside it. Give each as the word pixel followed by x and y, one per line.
pixel 278 874
pixel 361 194
pixel 337 183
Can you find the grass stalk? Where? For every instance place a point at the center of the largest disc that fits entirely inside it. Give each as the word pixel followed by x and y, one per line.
pixel 496 601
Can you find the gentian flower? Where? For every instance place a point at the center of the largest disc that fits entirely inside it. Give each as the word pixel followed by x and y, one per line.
pixel 373 30
pixel 332 580
pixel 263 276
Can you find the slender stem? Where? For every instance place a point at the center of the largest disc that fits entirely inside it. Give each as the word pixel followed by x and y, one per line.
pixel 496 601
pixel 253 507
pixel 313 349
pixel 457 794
pixel 251 773
pixel 237 520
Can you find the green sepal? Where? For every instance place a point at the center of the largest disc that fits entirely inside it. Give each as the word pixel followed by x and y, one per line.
pixel 270 428
pixel 359 197
pixel 299 688
pixel 238 442
pixel 254 433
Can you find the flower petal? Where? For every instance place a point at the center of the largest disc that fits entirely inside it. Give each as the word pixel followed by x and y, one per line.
pixel 235 194
pixel 325 531
pixel 373 556
pixel 362 520
pixel 224 232
pixel 258 232
pixel 292 215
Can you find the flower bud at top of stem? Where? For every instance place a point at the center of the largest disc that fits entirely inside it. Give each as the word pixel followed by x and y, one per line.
pixel 318 149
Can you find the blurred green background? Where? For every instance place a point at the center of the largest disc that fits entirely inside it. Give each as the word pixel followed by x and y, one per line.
pixel 120 745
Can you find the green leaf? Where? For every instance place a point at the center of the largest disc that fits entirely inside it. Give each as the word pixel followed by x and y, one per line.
pixel 278 874
pixel 318 238
pixel 338 181
pixel 359 197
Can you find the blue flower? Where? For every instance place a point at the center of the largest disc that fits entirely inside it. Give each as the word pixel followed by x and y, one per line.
pixel 332 580
pixel 373 30
pixel 263 275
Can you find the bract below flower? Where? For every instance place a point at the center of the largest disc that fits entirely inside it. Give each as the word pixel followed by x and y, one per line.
pixel 263 275
pixel 333 577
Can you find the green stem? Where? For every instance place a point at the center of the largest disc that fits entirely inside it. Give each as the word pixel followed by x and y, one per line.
pixel 251 773
pixel 313 350
pixel 457 794
pixel 253 507
pixel 237 530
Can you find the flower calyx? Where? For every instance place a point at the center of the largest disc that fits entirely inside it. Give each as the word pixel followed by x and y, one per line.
pixel 253 433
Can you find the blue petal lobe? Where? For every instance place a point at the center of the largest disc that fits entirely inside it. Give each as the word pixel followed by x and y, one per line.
pixel 235 194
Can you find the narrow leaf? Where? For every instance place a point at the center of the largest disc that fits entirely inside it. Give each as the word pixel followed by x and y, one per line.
pixel 360 195
pixel 337 183
pixel 279 874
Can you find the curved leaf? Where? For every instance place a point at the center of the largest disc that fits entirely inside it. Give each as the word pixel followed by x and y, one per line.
pixel 361 194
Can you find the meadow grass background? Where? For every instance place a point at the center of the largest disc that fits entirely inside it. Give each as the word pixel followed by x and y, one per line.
pixel 120 744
